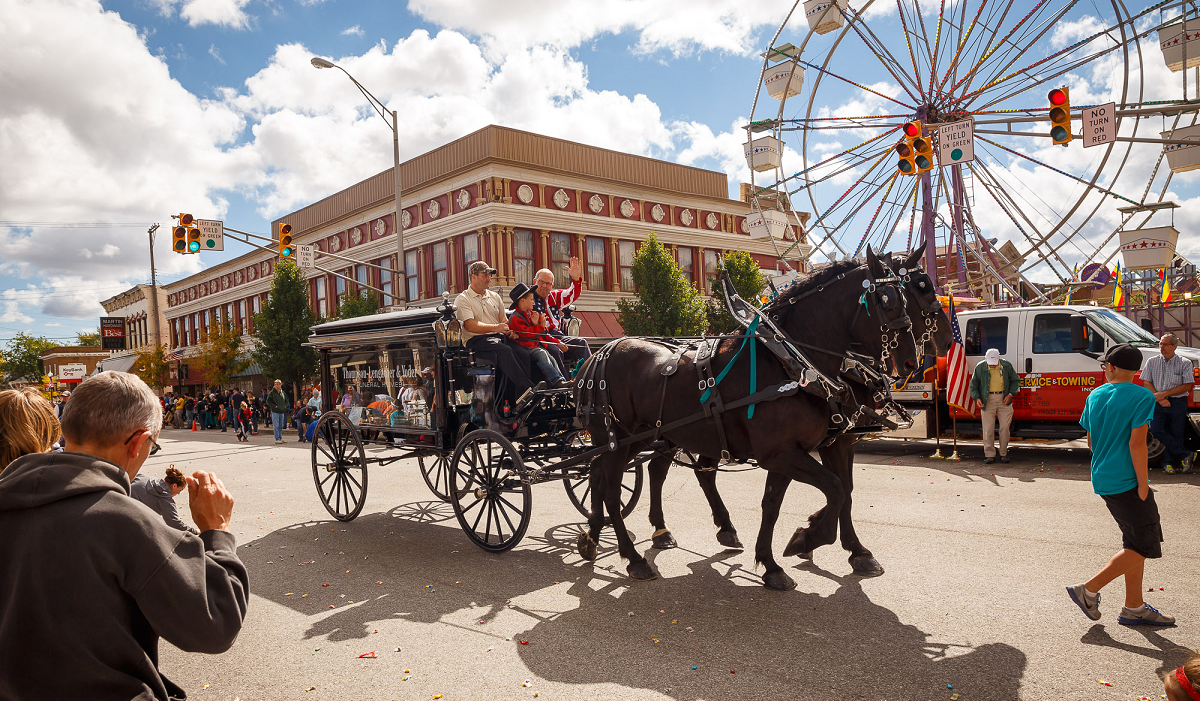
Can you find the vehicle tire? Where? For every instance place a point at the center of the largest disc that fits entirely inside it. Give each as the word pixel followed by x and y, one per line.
pixel 435 468
pixel 579 491
pixel 337 454
pixel 493 505
pixel 1154 451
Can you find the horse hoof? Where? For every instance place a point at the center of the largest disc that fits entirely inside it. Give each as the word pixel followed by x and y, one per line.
pixel 729 539
pixel 586 546
pixel 666 541
pixel 798 544
pixel 641 570
pixel 779 581
pixel 866 566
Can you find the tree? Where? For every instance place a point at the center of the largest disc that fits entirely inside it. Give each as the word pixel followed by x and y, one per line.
pixel 282 329
pixel 350 306
pixel 219 356
pixel 665 303
pixel 152 366
pixel 23 358
pixel 747 280
pixel 88 338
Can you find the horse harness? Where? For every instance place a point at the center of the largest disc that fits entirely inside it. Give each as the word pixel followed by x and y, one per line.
pixel 845 409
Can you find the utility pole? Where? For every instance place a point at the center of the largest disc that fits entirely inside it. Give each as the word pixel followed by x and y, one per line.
pixel 154 289
pixel 398 223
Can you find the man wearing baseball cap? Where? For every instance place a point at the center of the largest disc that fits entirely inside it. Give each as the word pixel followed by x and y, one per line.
pixel 994 386
pixel 1117 416
pixel 485 327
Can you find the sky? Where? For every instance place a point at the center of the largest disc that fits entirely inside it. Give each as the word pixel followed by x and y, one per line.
pixel 115 115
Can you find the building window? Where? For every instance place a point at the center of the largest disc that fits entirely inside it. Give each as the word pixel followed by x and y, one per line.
pixel 560 259
pixel 410 275
pixel 625 251
pixel 686 265
pixel 196 326
pixel 174 333
pixel 339 287
pixel 440 278
pixel 595 263
pixel 470 248
pixel 257 304
pixel 242 320
pixel 385 279
pixel 363 278
pixel 523 256
pixel 229 314
pixel 322 300
pixel 710 270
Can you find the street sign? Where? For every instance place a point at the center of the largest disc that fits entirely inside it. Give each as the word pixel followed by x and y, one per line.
pixel 1099 124
pixel 956 142
pixel 306 255
pixel 212 234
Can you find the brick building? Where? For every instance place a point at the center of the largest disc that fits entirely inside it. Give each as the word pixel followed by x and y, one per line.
pixel 518 200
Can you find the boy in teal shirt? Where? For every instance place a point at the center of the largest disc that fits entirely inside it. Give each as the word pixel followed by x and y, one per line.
pixel 1116 417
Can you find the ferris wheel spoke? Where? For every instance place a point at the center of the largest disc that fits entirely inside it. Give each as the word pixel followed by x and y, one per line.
pixel 857 85
pixel 881 52
pixel 891 182
pixel 962 41
pixel 908 44
pixel 860 160
pixel 978 53
pixel 1058 170
pixel 998 194
pixel 899 207
pixel 992 48
pixel 838 155
pixel 912 219
pixel 830 232
pixel 1033 34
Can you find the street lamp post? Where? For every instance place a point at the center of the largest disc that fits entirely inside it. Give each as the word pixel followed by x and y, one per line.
pixel 398 223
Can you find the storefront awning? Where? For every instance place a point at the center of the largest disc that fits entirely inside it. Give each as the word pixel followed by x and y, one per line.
pixel 121 363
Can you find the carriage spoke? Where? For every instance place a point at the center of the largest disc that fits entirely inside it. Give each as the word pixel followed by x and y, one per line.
pixel 351 478
pixel 487 531
pixel 328 477
pixel 503 512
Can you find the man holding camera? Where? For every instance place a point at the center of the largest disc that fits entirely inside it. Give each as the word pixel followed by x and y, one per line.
pixel 95 578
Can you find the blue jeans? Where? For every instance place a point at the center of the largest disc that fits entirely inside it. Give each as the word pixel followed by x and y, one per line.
pixel 277 423
pixel 549 369
pixel 1168 427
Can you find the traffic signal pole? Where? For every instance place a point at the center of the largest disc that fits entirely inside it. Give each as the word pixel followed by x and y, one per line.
pixel 154 289
pixel 248 242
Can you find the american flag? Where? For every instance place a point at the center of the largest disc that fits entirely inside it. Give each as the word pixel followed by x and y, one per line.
pixel 172 356
pixel 958 375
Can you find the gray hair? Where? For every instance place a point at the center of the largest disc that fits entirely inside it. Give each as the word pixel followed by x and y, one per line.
pixel 548 271
pixel 108 407
pixel 1173 337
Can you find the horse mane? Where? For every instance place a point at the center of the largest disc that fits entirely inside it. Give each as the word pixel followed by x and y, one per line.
pixel 816 279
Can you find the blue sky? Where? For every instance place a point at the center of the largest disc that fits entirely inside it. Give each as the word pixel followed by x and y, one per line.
pixel 126 112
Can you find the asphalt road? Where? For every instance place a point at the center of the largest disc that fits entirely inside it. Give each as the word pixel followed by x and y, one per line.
pixel 972 602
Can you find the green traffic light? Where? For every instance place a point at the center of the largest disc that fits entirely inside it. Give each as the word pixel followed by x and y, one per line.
pixel 922 162
pixel 286 252
pixel 194 246
pixel 905 166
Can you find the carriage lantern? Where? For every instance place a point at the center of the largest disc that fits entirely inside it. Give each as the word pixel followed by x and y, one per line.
pixel 571 323
pixel 448 329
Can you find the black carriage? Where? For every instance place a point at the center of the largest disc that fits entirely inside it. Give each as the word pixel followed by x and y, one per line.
pixel 423 395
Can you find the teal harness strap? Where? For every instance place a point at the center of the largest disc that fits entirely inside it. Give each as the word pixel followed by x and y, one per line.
pixel 750 330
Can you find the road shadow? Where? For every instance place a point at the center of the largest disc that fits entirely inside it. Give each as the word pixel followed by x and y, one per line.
pixel 744 641
pixel 1169 654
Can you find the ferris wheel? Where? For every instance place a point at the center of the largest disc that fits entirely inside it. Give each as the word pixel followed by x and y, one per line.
pixel 954 127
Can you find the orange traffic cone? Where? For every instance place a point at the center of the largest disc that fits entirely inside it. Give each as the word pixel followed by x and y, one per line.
pixel 194 424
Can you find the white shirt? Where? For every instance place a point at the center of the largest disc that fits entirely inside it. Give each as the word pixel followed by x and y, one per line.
pixel 1168 374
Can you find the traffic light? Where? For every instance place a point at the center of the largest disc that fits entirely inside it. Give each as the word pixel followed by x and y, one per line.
pixel 193 235
pixel 179 234
pixel 906 164
pixel 922 153
pixel 285 240
pixel 1060 116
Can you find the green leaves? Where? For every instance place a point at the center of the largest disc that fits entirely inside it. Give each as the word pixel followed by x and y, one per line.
pixel 23 357
pixel 283 327
pixel 665 303
pixel 747 280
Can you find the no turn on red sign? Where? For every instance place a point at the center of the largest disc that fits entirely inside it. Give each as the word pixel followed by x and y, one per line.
pixel 1099 124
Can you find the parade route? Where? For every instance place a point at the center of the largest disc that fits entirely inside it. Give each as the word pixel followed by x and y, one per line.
pixel 972 602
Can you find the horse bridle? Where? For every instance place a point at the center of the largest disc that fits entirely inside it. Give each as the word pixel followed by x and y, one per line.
pixel 929 310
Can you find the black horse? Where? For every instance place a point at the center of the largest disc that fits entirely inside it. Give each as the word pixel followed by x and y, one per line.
pixel 846 307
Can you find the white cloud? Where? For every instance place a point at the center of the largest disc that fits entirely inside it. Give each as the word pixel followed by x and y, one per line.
pixel 11 314
pixel 215 53
pixel 223 13
pixel 721 25
pixel 356 31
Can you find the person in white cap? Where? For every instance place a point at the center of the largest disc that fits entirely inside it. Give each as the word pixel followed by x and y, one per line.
pixel 994 387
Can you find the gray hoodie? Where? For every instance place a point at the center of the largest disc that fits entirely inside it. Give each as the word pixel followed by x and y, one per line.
pixel 156 494
pixel 93 578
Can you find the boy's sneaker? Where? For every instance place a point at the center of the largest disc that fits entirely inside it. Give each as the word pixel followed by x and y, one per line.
pixel 1187 465
pixel 1168 468
pixel 1090 604
pixel 1145 615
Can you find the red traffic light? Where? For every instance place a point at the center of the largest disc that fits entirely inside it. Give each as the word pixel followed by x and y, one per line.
pixel 285 229
pixel 912 129
pixel 1057 96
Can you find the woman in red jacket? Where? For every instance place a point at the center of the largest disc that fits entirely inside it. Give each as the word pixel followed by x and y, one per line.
pixel 531 333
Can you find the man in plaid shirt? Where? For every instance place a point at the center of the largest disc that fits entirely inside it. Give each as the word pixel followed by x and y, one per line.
pixel 550 302
pixel 1169 377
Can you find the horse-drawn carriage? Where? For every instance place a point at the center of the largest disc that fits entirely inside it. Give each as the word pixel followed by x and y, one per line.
pixel 424 395
pixel 816 369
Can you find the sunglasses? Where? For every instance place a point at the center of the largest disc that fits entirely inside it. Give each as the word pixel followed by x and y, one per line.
pixel 154 446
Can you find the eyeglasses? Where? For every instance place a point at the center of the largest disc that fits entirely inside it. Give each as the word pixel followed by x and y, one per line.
pixel 154 446
pixel 547 283
pixel 1103 364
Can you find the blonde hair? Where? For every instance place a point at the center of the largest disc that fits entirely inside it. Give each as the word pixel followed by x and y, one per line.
pixel 27 424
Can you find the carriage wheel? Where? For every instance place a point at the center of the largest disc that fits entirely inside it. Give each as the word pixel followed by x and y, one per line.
pixel 435 468
pixel 337 454
pixel 492 504
pixel 579 490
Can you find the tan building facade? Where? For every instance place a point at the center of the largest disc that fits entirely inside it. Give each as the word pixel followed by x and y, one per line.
pixel 137 306
pixel 518 200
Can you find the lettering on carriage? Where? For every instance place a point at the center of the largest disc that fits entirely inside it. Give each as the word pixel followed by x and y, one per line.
pixel 379 374
pixel 1058 381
